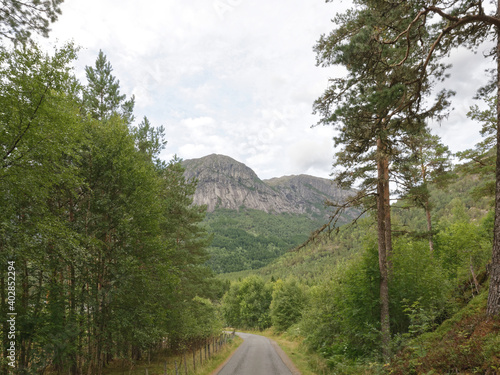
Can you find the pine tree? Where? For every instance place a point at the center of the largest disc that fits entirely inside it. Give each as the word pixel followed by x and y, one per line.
pixel 19 18
pixel 436 28
pixel 373 108
pixel 426 161
pixel 102 97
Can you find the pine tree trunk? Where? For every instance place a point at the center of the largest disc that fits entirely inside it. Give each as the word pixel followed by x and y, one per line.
pixel 387 213
pixel 493 307
pixel 383 241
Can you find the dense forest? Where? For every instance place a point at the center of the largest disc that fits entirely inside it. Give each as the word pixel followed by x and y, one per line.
pixel 104 257
pixel 250 239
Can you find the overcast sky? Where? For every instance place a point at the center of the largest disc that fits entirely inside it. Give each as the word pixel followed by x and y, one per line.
pixel 234 77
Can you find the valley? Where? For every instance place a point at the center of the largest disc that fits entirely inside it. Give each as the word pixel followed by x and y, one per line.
pixel 255 221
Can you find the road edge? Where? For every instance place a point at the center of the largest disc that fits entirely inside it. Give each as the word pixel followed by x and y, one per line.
pixel 285 358
pixel 221 366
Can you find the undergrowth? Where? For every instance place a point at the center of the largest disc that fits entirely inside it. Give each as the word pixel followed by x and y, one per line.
pixel 467 343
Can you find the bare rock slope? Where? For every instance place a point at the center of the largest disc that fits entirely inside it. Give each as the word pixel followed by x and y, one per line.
pixel 226 183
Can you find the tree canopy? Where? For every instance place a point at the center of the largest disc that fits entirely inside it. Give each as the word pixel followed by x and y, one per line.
pixel 19 18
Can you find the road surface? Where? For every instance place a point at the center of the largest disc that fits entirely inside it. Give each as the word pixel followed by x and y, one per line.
pixel 257 356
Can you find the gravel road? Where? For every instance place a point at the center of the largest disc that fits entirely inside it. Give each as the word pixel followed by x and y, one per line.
pixel 257 356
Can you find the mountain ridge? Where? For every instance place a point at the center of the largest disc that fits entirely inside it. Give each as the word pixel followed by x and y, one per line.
pixel 224 182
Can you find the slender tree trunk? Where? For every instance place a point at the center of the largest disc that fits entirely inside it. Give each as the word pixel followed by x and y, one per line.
pixel 387 212
pixel 383 241
pixel 23 349
pixel 427 206
pixel 429 226
pixel 493 307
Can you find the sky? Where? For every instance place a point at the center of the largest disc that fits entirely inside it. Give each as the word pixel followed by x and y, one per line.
pixel 235 77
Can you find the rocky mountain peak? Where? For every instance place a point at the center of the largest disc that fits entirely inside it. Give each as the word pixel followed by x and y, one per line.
pixel 226 183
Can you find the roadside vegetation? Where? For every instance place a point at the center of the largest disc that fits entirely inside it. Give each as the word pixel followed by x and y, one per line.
pixel 324 298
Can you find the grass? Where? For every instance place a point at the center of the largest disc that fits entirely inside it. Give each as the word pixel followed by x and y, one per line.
pixel 157 367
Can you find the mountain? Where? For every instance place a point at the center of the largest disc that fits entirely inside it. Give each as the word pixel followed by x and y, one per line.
pixel 307 194
pixel 224 183
pixel 255 221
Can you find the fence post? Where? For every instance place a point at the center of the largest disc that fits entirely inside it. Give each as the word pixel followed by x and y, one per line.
pixel 165 368
pixel 194 360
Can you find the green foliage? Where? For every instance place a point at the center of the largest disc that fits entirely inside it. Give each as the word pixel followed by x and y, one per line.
pixel 247 304
pixel 102 96
pixel 421 283
pixel 251 239
pixel 19 18
pixel 482 158
pixel 288 302
pixel 343 315
pixel 466 343
pixel 342 320
pixel 317 261
pixel 109 250
pixel 462 245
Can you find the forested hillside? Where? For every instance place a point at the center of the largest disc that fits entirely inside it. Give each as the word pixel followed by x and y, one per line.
pixel 250 239
pixel 252 221
pixel 327 290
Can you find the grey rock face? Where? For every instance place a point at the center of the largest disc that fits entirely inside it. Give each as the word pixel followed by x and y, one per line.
pixel 226 183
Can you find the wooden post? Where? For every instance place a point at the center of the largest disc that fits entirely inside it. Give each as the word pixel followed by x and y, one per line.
pixel 194 360
pixel 185 364
pixel 147 373
pixel 165 368
pixel 176 369
pixel 201 356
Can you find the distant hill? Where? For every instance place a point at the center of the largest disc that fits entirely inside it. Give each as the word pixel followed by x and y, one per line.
pixel 254 221
pixel 224 183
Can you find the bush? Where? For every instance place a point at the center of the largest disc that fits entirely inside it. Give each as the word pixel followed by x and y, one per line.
pixel 287 304
pixel 246 304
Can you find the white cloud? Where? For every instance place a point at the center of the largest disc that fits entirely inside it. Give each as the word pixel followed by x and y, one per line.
pixel 238 80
